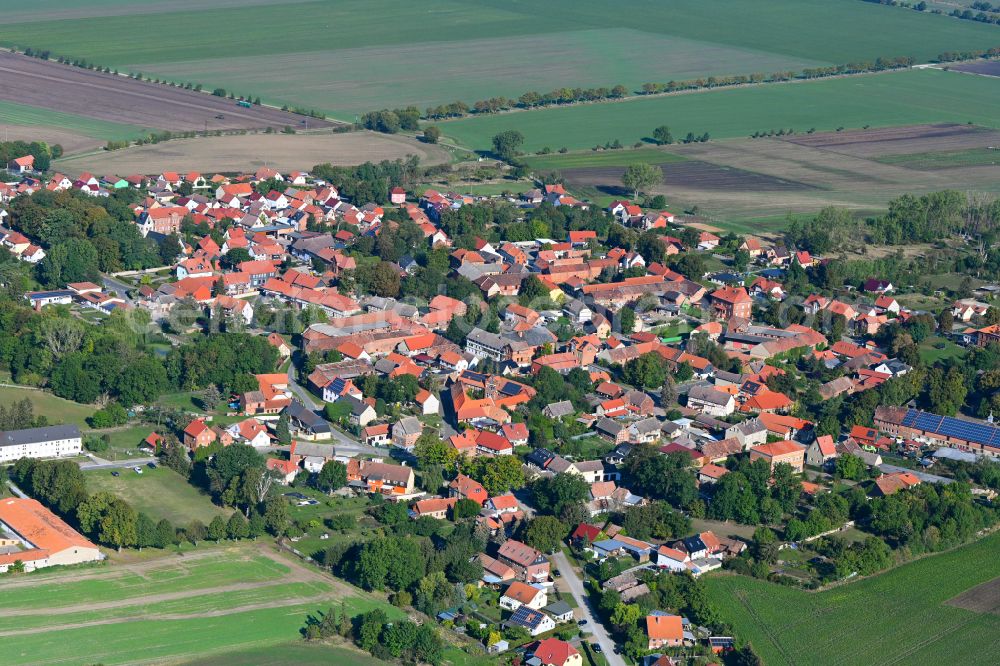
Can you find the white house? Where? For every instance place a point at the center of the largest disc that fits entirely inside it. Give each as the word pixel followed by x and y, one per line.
pixel 521 594
pixel 49 442
pixel 711 401
pixel 251 432
pixel 429 403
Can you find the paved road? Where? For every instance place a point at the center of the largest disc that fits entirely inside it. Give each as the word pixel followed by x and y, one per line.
pixel 572 579
pixel 100 463
pixel 302 394
pixel 112 284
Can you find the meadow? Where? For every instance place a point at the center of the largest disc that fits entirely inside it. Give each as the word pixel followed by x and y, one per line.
pixel 357 55
pixel 897 617
pixel 898 98
pixel 174 609
pixel 160 493
pixel 55 409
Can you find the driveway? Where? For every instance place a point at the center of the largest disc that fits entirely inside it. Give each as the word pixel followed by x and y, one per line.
pixel 100 463
pixel 572 579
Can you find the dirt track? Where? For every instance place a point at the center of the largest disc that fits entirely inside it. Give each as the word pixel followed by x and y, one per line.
pixel 120 99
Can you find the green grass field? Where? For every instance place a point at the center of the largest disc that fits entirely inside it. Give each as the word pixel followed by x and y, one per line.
pixel 897 617
pixel 945 159
pixel 160 492
pixel 357 55
pixel 899 98
pixel 599 158
pixel 55 409
pixel 22 114
pixel 165 612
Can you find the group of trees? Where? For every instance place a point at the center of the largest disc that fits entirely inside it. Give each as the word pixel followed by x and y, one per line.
pixel 751 494
pixel 400 640
pixel 392 121
pixel 82 235
pixel 42 152
pixel 110 520
pixel 369 181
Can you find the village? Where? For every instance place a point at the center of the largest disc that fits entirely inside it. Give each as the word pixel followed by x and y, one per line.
pixel 614 403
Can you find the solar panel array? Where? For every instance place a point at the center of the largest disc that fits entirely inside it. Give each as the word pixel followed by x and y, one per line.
pixel 985 434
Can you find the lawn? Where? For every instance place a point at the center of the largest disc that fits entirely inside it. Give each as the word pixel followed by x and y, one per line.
pixel 12 113
pixel 897 617
pixel 55 409
pixel 160 492
pixel 930 352
pixel 389 53
pixel 124 441
pixel 897 98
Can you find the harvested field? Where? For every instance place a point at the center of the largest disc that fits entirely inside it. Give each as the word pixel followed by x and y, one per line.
pixel 247 152
pixel 119 99
pixel 72 142
pixel 984 68
pixel 901 140
pixel 983 598
pixel 688 174
pixel 750 179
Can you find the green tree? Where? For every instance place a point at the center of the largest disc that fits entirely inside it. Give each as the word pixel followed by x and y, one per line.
pixel 627 318
pixel 332 476
pixel 431 450
pixel 553 494
pixel 236 526
pixel 506 144
pixel 545 533
pixel 110 519
pixel 662 135
pixel 501 474
pixel 432 134
pixel 465 508
pixel 281 431
pixel 276 515
pixel 166 534
pixel 217 529
pixel 640 176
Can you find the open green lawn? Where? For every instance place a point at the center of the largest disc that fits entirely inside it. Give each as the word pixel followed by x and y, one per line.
pixel 897 98
pixel 160 492
pixel 357 55
pixel 12 113
pixel 936 348
pixel 599 158
pixel 55 409
pixel 897 617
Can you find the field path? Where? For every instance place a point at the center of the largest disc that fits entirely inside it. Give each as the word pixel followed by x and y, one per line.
pixel 297 573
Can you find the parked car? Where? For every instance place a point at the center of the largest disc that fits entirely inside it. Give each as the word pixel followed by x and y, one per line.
pixel 582 621
pixel 596 647
pixel 151 465
pixel 115 474
pixel 138 470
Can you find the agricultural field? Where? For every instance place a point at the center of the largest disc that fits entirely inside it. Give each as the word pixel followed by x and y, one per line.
pixel 300 654
pixel 753 184
pixel 74 133
pixel 119 100
pixel 203 604
pixel 356 55
pixel 247 152
pixel 878 100
pixel 160 493
pixel 907 615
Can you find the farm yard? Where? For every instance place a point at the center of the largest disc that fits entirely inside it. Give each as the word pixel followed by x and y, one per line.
pixel 384 55
pixel 239 153
pixel 203 604
pixel 753 178
pixel 908 615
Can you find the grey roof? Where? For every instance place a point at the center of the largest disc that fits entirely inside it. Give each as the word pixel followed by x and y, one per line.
pixel 306 417
pixel 358 407
pixel 36 435
pixel 408 425
pixel 558 608
pixel 590 465
pixel 608 426
pixel 650 424
pixel 559 409
pixel 709 395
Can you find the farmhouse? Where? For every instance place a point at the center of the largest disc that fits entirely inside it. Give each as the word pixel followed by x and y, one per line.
pixel 964 434
pixel 48 442
pixel 43 539
pixel 781 452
